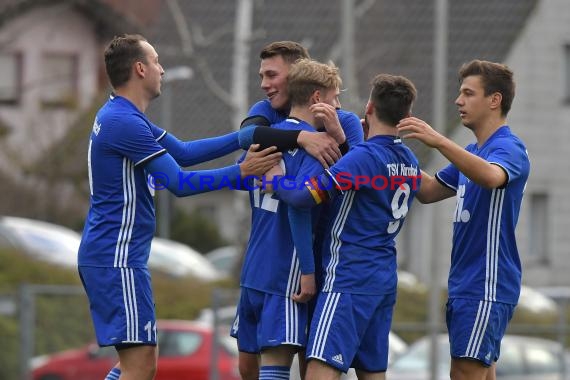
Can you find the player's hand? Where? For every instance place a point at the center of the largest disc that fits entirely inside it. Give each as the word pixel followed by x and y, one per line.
pixel 258 162
pixel 308 289
pixel 328 116
pixel 321 146
pixel 415 128
pixel 267 184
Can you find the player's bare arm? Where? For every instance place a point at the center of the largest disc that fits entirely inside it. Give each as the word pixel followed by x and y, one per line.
pixel 478 170
pixel 431 190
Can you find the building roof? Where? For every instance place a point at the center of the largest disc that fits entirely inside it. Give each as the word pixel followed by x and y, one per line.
pixel 391 37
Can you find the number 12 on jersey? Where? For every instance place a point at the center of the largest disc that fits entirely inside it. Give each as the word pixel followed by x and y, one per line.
pixel 265 201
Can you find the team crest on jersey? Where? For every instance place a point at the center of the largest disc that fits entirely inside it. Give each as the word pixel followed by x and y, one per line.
pixel 96 127
pixel 293 152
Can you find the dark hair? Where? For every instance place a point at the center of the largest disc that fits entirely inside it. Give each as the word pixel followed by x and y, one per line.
pixel 392 97
pixel 290 51
pixel 495 77
pixel 307 76
pixel 120 55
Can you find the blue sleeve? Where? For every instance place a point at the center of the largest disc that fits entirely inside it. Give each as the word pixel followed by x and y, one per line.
pixel 187 153
pixel 448 177
pixel 295 194
pixel 300 221
pixel 157 132
pixel 167 174
pixel 132 137
pixel 307 191
pixel 352 127
pixel 511 156
pixel 263 108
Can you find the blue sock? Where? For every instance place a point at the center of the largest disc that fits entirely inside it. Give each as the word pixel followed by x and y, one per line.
pixel 113 374
pixel 274 372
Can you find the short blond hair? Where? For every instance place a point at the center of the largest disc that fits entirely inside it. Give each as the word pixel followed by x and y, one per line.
pixel 307 76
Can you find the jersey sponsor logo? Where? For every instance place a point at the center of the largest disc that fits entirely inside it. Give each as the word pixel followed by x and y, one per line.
pixel 293 152
pixel 338 358
pixel 461 215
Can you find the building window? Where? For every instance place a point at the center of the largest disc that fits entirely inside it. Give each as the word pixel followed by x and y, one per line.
pixel 538 234
pixel 10 78
pixel 59 80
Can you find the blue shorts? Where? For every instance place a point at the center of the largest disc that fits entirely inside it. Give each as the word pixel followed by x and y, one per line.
pixel 267 320
pixel 351 330
pixel 121 304
pixel 476 328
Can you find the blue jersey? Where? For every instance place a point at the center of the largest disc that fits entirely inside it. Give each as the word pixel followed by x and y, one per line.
pixel 271 264
pixel 349 122
pixel 379 179
pixel 485 263
pixel 352 127
pixel 121 221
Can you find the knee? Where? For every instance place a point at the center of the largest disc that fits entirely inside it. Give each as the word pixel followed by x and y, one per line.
pixel 151 369
pixel 145 371
pixel 458 373
pixel 248 371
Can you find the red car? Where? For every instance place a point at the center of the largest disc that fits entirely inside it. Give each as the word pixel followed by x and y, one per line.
pixel 185 353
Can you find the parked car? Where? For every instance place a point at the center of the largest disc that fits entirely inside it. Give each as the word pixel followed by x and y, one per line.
pixel 41 240
pixel 522 358
pixel 224 258
pixel 225 316
pixel 59 245
pixel 177 259
pixel 185 352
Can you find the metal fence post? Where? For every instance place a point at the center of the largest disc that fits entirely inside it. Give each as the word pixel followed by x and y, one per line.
pixel 216 303
pixel 27 328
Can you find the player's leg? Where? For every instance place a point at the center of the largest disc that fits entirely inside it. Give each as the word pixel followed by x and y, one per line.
pixel 283 331
pixel 467 369
pixel 374 312
pixel 248 364
pixel 114 373
pixel 138 362
pixel 122 309
pixel 276 362
pixel 476 329
pixel 363 375
pixel 319 370
pixel 492 372
pixel 333 337
pixel 244 329
pixel 301 355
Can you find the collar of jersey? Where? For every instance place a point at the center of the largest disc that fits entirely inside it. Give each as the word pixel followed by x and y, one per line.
pixel 503 130
pixel 385 139
pixel 123 100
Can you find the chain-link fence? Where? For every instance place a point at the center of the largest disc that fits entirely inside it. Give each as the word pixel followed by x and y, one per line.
pixel 43 318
